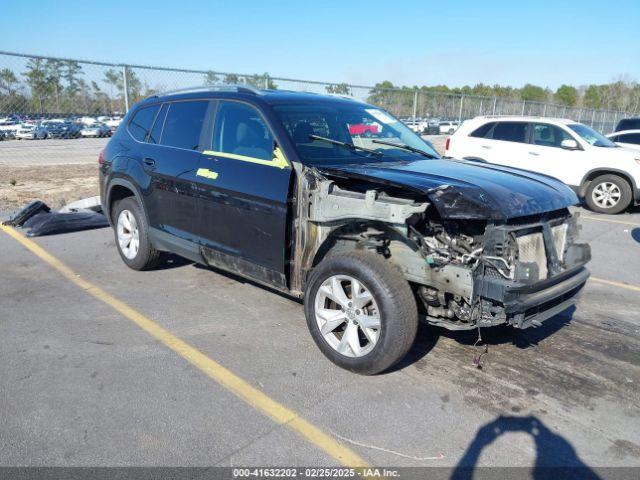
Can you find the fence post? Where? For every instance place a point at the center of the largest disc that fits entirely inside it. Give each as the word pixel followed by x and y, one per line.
pixel 524 103
pixel 495 100
pixel 460 112
pixel 415 106
pixel 125 88
pixel 480 109
pixel 593 116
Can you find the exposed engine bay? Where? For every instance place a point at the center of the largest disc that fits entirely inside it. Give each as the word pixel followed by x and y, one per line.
pixel 465 273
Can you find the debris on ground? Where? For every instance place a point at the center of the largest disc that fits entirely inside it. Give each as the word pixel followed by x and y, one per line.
pixel 38 219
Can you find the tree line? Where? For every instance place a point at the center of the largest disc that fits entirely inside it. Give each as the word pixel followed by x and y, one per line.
pixel 622 94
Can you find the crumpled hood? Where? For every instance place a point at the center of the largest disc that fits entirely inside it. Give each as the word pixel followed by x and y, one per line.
pixel 465 189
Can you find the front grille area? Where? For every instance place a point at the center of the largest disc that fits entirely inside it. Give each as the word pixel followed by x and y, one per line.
pixel 531 250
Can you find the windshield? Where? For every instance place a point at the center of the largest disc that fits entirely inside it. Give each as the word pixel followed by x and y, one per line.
pixel 356 124
pixel 591 136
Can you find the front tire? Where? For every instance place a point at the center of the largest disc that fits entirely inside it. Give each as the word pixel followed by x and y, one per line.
pixel 132 236
pixel 361 312
pixel 608 194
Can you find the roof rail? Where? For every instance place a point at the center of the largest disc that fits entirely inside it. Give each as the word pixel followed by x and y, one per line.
pixel 213 88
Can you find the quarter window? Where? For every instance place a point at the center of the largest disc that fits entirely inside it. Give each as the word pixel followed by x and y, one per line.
pixel 141 122
pixel 183 124
pixel 510 131
pixel 549 135
pixel 241 130
pixel 483 131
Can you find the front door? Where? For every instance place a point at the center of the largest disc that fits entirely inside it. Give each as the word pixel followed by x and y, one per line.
pixel 545 154
pixel 243 182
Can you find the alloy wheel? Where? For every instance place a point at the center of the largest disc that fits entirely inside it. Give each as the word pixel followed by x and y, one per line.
pixel 347 316
pixel 606 195
pixel 128 234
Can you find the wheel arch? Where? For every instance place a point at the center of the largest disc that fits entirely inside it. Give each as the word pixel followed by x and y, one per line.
pixel 596 172
pixel 118 189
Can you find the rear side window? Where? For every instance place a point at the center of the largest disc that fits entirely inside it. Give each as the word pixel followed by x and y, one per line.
pixel 510 131
pixel 483 131
pixel 183 124
pixel 141 122
pixel 629 138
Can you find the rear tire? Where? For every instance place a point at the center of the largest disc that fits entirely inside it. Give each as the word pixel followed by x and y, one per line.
pixel 609 194
pixel 369 331
pixel 132 236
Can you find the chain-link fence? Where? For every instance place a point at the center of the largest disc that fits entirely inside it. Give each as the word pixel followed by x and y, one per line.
pixel 37 88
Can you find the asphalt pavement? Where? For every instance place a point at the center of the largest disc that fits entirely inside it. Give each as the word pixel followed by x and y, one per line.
pixel 85 382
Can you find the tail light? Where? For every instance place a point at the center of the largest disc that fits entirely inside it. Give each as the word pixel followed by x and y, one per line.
pixel 101 157
pixel 447 143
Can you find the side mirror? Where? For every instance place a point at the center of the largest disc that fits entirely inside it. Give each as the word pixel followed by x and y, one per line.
pixel 569 144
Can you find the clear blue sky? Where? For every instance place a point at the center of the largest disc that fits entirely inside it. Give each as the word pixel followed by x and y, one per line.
pixel 408 42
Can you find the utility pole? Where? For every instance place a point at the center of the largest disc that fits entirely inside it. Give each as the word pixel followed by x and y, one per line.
pixel 126 89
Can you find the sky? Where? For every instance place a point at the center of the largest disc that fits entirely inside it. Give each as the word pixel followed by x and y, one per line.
pixel 512 42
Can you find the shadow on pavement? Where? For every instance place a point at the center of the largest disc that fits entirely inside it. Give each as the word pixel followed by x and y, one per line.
pixel 555 456
pixel 635 234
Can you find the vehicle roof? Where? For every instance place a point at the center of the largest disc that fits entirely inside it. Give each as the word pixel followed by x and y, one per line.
pixel 526 118
pixel 248 92
pixel 622 132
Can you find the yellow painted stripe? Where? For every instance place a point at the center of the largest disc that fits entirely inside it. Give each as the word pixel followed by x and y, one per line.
pixel 610 220
pixel 251 395
pixel 625 286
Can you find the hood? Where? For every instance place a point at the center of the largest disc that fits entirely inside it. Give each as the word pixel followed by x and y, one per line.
pixel 463 189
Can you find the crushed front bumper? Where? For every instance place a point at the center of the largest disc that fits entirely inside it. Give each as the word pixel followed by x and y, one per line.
pixel 529 305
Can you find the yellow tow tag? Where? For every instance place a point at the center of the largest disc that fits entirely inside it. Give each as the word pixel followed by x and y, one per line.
pixel 206 173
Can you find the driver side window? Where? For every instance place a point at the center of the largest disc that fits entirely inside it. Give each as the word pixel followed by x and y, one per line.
pixel 241 130
pixel 548 135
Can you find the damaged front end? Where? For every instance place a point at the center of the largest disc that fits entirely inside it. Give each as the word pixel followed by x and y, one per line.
pixel 467 270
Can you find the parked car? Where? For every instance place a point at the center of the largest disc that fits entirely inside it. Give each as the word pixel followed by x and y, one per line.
pixel 95 130
pixel 271 186
pixel 447 127
pixel 605 175
pixel 63 130
pixel 430 126
pixel 113 123
pixel 628 124
pixel 363 129
pixel 31 132
pixel 626 138
pixel 9 128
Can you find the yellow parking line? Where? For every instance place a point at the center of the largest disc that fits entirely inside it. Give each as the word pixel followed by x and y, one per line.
pixel 626 286
pixel 610 220
pixel 251 395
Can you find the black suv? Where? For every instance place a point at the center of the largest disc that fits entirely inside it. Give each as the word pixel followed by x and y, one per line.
pixel 373 233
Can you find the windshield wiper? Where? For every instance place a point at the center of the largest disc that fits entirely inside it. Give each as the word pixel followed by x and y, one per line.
pixel 348 146
pixel 406 147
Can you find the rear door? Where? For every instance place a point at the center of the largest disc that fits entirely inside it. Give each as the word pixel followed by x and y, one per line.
pixel 243 180
pixel 506 144
pixel 173 150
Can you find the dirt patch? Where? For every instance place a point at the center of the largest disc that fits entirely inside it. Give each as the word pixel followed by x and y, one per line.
pixel 56 185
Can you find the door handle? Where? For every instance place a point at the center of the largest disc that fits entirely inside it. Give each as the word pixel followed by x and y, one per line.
pixel 149 162
pixel 486 146
pixel 534 154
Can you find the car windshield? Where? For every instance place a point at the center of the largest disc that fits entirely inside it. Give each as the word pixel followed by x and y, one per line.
pixel 591 136
pixel 356 124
